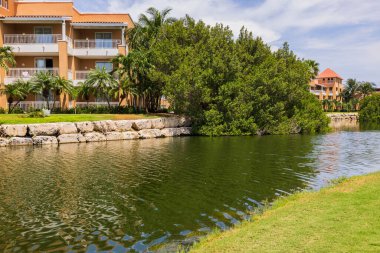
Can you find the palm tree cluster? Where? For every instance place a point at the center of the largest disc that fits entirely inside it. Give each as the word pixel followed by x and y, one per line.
pixel 357 90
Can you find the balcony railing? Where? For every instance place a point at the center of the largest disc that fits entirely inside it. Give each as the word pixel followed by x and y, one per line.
pixel 96 44
pixel 85 104
pixel 29 72
pixel 27 105
pixel 81 75
pixel 32 38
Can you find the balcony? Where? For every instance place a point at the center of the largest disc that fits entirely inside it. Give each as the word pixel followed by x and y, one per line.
pixel 32 43
pixel 26 73
pixel 96 48
pixel 95 104
pixel 318 92
pixel 80 76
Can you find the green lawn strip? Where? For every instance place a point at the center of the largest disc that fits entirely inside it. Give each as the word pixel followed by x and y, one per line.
pixel 342 218
pixel 22 119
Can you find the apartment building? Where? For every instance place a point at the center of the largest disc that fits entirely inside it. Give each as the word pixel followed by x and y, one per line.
pixel 328 85
pixel 54 36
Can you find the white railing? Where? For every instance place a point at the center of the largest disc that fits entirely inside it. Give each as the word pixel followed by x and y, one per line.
pixel 29 72
pixel 27 105
pixel 85 104
pixel 32 38
pixel 96 44
pixel 81 75
pixel 317 92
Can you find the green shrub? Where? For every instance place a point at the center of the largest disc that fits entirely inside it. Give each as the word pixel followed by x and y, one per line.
pixel 370 109
pixel 2 110
pixel 17 110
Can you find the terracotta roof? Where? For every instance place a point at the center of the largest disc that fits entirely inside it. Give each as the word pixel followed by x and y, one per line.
pixel 329 73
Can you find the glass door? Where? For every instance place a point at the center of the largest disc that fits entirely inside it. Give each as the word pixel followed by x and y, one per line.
pixel 103 40
pixel 44 34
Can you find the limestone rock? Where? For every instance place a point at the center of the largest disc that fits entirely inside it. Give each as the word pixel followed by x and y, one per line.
pixel 184 121
pixel 19 141
pixel 123 125
pixel 13 130
pixel 71 138
pixel 171 132
pixel 50 129
pixel 171 122
pixel 45 140
pixel 158 123
pixel 85 127
pixel 104 126
pixel 185 130
pixel 94 137
pixel 150 133
pixel 131 135
pixel 114 136
pixel 4 142
pixel 142 124
pixel 67 128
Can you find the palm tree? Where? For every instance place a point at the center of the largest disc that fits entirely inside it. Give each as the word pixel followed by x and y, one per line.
pixel 60 86
pixel 16 92
pixel 84 91
pixel 326 104
pixel 44 85
pixel 148 27
pixel 103 83
pixel 366 88
pixel 7 58
pixel 350 90
pixel 313 68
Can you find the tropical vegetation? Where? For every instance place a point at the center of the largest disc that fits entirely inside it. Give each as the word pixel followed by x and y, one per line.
pixel 370 109
pixel 341 218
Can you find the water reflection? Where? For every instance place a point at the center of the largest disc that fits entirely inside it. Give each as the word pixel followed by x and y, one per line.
pixel 139 195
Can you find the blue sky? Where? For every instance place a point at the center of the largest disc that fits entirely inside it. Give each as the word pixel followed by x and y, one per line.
pixel 341 34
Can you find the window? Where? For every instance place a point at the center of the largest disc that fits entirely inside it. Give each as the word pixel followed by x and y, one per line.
pixel 44 63
pixel 107 65
pixel 6 4
pixel 103 40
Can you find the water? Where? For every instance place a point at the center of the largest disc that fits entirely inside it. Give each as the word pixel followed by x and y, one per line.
pixel 150 195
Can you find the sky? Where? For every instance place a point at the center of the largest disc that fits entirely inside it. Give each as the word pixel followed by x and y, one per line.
pixel 343 35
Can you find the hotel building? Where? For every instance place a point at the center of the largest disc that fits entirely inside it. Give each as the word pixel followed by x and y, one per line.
pixel 328 85
pixel 56 37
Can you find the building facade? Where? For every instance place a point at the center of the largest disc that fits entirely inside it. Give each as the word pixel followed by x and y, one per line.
pixel 57 38
pixel 328 85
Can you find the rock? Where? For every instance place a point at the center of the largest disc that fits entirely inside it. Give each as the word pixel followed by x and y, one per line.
pixel 150 133
pixel 185 130
pixel 19 141
pixel 50 129
pixel 71 138
pixel 13 130
pixel 123 125
pixel 114 136
pixel 94 137
pixel 184 121
pixel 67 128
pixel 4 142
pixel 131 135
pixel 142 124
pixel 85 127
pixel 45 140
pixel 104 126
pixel 171 132
pixel 171 122
pixel 158 123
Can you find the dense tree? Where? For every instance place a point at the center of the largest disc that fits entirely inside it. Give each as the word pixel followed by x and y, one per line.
pixel 370 109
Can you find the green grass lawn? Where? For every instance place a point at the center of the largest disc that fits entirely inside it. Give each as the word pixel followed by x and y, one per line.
pixel 342 218
pixel 21 119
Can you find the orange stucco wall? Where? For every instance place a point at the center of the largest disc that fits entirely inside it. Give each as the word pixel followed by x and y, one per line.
pixel 29 61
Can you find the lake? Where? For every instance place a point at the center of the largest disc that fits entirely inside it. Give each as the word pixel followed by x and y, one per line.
pixel 152 195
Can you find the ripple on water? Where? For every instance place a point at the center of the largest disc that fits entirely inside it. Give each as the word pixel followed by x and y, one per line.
pixel 141 195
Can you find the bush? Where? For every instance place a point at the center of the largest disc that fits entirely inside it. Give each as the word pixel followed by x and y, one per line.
pixel 36 114
pixel 17 110
pixel 370 109
pixel 2 110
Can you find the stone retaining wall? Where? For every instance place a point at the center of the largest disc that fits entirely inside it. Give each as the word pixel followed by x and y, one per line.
pixel 342 120
pixel 80 132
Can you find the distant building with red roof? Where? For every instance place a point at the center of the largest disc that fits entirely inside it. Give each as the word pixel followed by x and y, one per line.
pixel 327 85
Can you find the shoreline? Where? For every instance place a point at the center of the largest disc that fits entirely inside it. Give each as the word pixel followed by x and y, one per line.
pixel 96 131
pixel 308 221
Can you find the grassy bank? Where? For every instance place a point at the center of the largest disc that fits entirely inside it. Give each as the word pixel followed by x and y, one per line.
pixel 22 119
pixel 341 218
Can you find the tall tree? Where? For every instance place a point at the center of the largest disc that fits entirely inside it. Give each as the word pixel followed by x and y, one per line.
pixel 366 88
pixel 103 83
pixel 60 86
pixel 16 92
pixel 44 85
pixel 7 58
pixel 313 68
pixel 350 90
